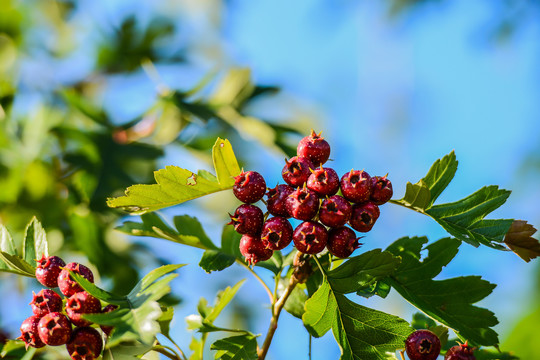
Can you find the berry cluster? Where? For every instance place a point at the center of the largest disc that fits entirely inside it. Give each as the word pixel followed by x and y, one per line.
pixel 52 321
pixel 310 195
pixel 425 345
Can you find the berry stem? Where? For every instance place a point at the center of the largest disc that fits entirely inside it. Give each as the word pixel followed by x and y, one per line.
pixel 163 350
pixel 258 278
pixel 401 355
pixel 177 347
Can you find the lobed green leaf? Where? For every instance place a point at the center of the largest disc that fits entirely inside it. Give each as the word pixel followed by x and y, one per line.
pixel 240 347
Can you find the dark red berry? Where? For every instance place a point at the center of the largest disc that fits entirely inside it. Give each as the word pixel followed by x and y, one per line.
pixel 422 345
pixel 107 309
pixel 247 219
pixel 381 189
pixel 47 270
pixel 324 181
pixel 303 204
pixel 276 233
pixel 46 301
pixel 81 303
pixel 356 186
pixel 297 171
pixel 249 187
pixel 3 337
pixel 85 344
pixel 67 285
pixel 277 200
pixel 54 329
pixel 310 237
pixel 363 216
pixel 315 148
pixel 254 250
pixel 29 332
pixel 335 211
pixel 460 352
pixel 342 242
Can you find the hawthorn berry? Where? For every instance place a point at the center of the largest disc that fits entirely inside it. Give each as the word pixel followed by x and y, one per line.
pixel 247 219
pixel 324 181
pixel 310 237
pixel 67 285
pixel 29 332
pixel 46 301
pixel 460 352
pixel 85 344
pixel 423 345
pixel 356 186
pixel 47 270
pixel 276 233
pixel 107 309
pixel 381 189
pixel 303 204
pixel 249 187
pixel 81 303
pixel 342 242
pixel 54 329
pixel 297 171
pixel 276 204
pixel 335 211
pixel 315 148
pixel 253 249
pixel 363 216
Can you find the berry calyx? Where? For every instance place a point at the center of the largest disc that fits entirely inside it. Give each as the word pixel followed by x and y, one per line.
pixel 363 216
pixel 335 211
pixel 303 204
pixel 67 285
pixel 85 344
pixel 253 249
pixel 46 301
pixel 460 352
pixel 276 204
pixel 54 329
pixel 342 242
pixel 82 303
pixel 381 189
pixel 423 345
pixel 324 181
pixel 315 148
pixel 297 171
pixel 310 237
pixel 249 187
pixel 356 186
pixel 30 334
pixel 276 233
pixel 47 270
pixel 247 219
pixel 107 309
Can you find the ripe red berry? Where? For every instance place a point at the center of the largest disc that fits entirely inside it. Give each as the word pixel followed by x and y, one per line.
pixel 29 332
pixel 363 216
pixel 47 270
pixel 356 186
pixel 324 181
pixel 335 211
pixel 81 303
pixel 310 237
pixel 460 352
pixel 107 309
pixel 381 189
pixel 277 200
pixel 247 219
pixel 85 344
pixel 297 171
pixel 67 285
pixel 303 204
pixel 315 148
pixel 46 301
pixel 423 345
pixel 249 187
pixel 254 250
pixel 54 329
pixel 342 242
pixel 276 233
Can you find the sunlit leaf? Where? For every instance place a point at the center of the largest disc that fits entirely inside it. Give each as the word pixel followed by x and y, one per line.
pixel 35 242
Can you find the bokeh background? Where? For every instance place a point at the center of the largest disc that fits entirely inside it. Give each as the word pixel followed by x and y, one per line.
pixel 86 111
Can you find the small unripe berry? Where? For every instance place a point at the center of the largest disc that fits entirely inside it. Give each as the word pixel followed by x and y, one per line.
pixel 342 242
pixel 315 148
pixel 296 171
pixel 310 237
pixel 47 270
pixel 276 233
pixel 81 303
pixel 460 352
pixel 277 200
pixel 324 181
pixel 249 187
pixel 54 329
pixel 303 204
pixel 30 333
pixel 46 301
pixel 381 190
pixel 107 309
pixel 356 186
pixel 253 249
pixel 422 345
pixel 335 211
pixel 67 285
pixel 363 216
pixel 85 344
pixel 247 219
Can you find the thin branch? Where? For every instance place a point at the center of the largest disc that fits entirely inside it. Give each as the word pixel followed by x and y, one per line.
pixel 166 353
pixel 177 347
pixel 258 278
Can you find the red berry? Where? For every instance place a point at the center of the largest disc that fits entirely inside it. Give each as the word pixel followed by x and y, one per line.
pixel 460 352
pixel 303 204
pixel 54 329
pixel 29 332
pixel 363 216
pixel 85 344
pixel 310 237
pixel 247 219
pixel 67 285
pixel 335 211
pixel 47 270
pixel 254 250
pixel 315 148
pixel 249 187
pixel 381 189
pixel 46 301
pixel 276 233
pixel 324 181
pixel 277 200
pixel 81 303
pixel 296 171
pixel 356 186
pixel 107 309
pixel 422 345
pixel 342 242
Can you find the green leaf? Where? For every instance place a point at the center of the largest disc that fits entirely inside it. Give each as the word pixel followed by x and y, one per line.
pixel 165 319
pixel 35 242
pixel 189 226
pixel 81 104
pixel 380 288
pixel 241 347
pixel 126 351
pixel 447 301
pixel 6 246
pixel 215 260
pixel 484 354
pixel 295 304
pixel 176 185
pixel 230 241
pixel 17 265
